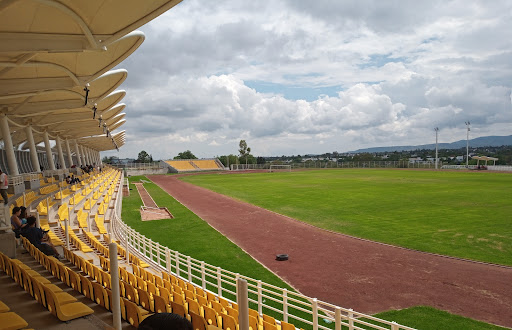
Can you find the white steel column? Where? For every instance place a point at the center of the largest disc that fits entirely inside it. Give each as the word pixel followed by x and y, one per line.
pixel 59 152
pixel 93 156
pixel 32 147
pixel 84 153
pixel 49 155
pixel 77 150
pixel 88 153
pixel 9 149
pixel 68 151
pixel 116 295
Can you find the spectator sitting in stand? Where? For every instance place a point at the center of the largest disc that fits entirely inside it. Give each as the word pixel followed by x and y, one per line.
pixel 39 238
pixel 16 222
pixel 23 215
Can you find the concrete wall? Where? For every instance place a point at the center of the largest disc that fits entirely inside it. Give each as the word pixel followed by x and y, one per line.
pixel 140 171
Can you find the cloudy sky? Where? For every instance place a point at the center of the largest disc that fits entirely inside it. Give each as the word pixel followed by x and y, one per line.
pixel 302 76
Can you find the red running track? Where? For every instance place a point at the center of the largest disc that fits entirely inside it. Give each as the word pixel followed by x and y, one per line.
pixel 353 273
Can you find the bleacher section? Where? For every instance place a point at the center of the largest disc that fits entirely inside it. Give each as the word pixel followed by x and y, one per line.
pixel 188 165
pixel 207 164
pixel 86 269
pixel 181 165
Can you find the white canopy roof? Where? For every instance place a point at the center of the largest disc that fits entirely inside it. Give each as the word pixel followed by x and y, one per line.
pixel 51 50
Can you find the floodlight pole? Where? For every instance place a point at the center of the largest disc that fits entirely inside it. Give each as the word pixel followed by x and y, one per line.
pixel 437 158
pixel 467 143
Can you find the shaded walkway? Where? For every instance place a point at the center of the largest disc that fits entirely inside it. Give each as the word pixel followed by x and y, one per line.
pixel 352 273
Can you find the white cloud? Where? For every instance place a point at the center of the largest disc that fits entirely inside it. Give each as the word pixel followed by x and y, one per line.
pixel 389 72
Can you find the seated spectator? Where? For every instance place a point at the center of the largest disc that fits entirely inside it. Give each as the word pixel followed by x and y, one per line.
pixel 165 321
pixel 74 180
pixel 16 221
pixel 23 215
pixel 39 238
pixel 68 180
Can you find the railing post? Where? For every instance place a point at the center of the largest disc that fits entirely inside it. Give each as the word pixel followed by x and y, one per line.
pixel 177 258
pixel 158 248
pixel 394 326
pixel 127 246
pixel 66 228
pixel 146 247
pixel 38 221
pixel 285 305
pixel 337 319
pixel 189 269
pixel 219 282
pixel 237 277
pixel 242 299
pixel 203 276
pixel 314 305
pixel 168 260
pixel 116 296
pixel 350 319
pixel 260 308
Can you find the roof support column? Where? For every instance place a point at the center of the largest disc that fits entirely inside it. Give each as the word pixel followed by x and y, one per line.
pixel 9 149
pixel 59 152
pixel 32 146
pixel 49 155
pixel 68 152
pixel 88 153
pixel 77 151
pixel 86 158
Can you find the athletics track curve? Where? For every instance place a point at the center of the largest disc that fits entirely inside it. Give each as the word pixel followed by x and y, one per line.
pixel 349 272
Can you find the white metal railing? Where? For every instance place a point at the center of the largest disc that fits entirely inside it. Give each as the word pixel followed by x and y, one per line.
pixel 16 180
pixel 31 176
pixel 286 305
pixel 458 167
pixel 55 172
pixel 507 168
pixel 140 166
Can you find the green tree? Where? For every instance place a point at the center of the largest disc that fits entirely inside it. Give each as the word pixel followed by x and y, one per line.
pixel 186 155
pixel 144 157
pixel 109 160
pixel 244 151
pixel 227 160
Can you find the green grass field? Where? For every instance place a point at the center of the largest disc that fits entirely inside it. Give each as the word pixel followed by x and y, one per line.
pixel 462 214
pixel 190 235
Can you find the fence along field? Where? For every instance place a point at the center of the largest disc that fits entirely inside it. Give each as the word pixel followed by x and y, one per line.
pixel 461 214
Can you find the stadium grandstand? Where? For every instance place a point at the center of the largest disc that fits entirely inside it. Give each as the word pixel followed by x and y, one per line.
pixel 61 107
pixel 191 165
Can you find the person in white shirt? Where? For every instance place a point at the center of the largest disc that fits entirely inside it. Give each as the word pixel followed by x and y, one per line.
pixel 3 187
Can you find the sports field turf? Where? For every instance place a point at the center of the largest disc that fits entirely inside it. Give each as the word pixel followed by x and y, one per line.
pixel 462 214
pixel 190 235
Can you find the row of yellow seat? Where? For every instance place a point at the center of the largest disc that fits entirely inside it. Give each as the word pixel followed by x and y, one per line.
pixel 61 304
pixel 10 320
pixel 48 189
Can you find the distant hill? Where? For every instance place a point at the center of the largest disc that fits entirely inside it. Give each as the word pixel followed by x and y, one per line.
pixel 484 141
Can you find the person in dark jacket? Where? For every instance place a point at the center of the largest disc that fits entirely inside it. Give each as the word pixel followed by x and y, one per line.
pixel 39 238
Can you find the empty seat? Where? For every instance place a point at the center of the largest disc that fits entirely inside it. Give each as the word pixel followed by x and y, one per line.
pixel 65 312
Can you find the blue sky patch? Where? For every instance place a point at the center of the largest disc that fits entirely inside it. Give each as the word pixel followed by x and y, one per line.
pixel 293 92
pixel 380 60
